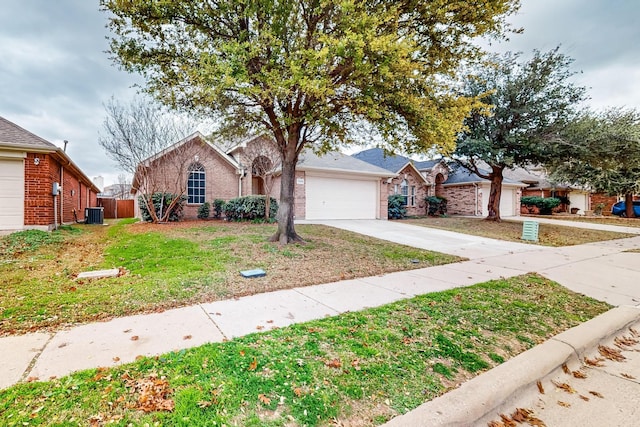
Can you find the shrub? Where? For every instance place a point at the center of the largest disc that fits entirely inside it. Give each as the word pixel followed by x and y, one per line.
pixel 218 207
pixel 436 205
pixel 545 204
pixel 249 208
pixel 160 202
pixel 395 207
pixel 203 210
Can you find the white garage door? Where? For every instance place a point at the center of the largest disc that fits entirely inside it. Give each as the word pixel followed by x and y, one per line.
pixel 579 201
pixel 507 202
pixel 340 198
pixel 11 194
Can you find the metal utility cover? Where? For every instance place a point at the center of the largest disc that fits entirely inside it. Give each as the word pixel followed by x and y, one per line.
pixel 252 274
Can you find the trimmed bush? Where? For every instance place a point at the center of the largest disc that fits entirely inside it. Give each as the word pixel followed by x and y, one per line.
pixel 203 210
pixel 436 205
pixel 160 202
pixel 396 208
pixel 218 207
pixel 545 204
pixel 249 208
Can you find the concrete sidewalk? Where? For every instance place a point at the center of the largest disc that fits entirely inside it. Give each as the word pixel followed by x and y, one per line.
pixel 602 270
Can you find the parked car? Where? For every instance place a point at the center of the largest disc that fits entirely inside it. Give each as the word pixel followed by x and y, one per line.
pixel 620 208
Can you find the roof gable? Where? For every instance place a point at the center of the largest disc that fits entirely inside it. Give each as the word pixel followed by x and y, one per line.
pixel 13 136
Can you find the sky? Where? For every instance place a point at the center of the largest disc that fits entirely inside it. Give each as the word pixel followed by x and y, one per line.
pixel 55 74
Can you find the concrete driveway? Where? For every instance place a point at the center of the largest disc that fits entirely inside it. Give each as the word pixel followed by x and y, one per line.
pixel 472 247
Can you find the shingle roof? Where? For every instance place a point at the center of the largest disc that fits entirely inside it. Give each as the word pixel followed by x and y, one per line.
pixel 12 135
pixel 339 162
pixel 460 175
pixel 393 163
pixel 377 157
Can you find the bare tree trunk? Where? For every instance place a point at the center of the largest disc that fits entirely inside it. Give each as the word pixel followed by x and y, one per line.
pixel 286 232
pixel 494 195
pixel 628 201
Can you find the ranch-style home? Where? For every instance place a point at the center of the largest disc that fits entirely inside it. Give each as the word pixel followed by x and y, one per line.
pixel 40 186
pixel 466 193
pixel 332 186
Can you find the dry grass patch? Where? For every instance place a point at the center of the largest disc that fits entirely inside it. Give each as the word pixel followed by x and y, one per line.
pixel 549 234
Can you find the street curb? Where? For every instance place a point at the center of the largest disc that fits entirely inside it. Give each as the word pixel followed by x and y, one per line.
pixel 484 394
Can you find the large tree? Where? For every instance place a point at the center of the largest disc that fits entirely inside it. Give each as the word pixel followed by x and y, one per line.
pixel 601 151
pixel 525 105
pixel 309 72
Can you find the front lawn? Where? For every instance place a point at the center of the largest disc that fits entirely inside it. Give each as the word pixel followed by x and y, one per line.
pixel 548 234
pixel 170 265
pixel 359 368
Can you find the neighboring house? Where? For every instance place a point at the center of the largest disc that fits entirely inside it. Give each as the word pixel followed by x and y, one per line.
pixel 414 180
pixel 581 201
pixel 29 167
pixel 333 186
pixel 117 191
pixel 466 193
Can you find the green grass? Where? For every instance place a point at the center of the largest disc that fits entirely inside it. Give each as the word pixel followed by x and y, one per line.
pixel 367 365
pixel 173 265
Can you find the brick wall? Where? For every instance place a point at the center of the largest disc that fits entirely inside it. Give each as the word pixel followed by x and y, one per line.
pixel 460 199
pixel 221 177
pixel 38 201
pixel 416 204
pixel 608 201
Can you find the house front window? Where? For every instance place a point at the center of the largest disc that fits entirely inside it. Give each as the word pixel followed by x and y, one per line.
pixel 404 190
pixel 412 196
pixel 196 184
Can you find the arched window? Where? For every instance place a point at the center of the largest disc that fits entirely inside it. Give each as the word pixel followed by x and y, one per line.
pixel 196 184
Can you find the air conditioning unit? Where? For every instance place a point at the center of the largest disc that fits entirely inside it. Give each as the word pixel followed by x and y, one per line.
pixel 94 215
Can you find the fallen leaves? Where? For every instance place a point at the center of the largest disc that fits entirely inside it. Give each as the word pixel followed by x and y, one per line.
pixel 611 353
pixel 625 342
pixel 564 404
pixel 153 393
pixel 264 399
pixel 579 374
pixel 520 415
pixel 253 365
pixel 564 386
pixel 135 338
pixel 597 362
pixel 187 337
pixel 540 388
pixel 628 376
pixel 334 363
pixel 596 394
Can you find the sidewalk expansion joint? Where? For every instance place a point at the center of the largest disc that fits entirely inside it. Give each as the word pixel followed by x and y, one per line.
pixel 224 336
pixel 34 359
pixel 337 312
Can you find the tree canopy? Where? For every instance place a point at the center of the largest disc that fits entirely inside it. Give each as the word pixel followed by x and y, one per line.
pixel 601 151
pixel 313 73
pixel 525 106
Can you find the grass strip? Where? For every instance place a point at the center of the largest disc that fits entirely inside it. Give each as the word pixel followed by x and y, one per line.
pixel 367 366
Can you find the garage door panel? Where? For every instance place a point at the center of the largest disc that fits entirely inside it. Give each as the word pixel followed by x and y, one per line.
pixel 11 194
pixel 336 198
pixel 507 202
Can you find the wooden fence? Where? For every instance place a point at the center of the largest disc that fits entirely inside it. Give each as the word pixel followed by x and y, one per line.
pixel 114 208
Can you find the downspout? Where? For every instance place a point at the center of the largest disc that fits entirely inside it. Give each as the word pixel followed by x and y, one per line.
pixel 61 196
pixel 475 206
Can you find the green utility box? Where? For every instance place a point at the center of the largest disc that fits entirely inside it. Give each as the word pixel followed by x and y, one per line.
pixel 530 230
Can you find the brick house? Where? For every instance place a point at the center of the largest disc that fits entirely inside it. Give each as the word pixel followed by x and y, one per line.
pixel 466 193
pixel 29 167
pixel 332 186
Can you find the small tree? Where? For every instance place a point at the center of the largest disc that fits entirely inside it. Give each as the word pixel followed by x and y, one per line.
pixel 137 136
pixel 203 210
